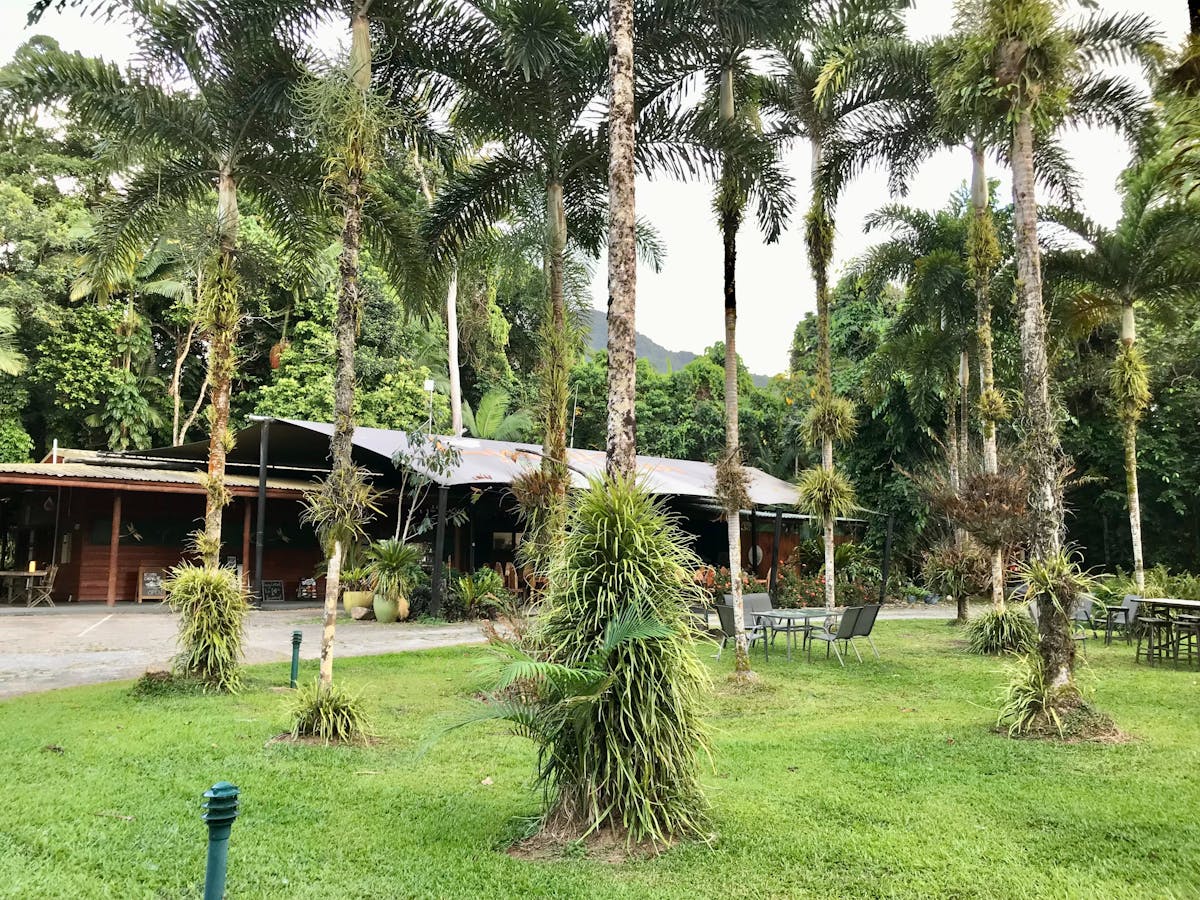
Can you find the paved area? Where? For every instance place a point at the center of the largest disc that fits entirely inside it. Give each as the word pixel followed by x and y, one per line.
pixel 66 646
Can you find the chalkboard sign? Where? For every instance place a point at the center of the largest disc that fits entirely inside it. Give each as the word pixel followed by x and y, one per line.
pixel 272 592
pixel 150 584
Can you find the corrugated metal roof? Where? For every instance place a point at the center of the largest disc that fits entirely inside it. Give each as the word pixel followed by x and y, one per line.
pixel 88 472
pixel 499 462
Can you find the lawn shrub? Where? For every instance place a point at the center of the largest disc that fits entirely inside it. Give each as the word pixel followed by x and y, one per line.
pixel 1031 707
pixel 212 604
pixel 1008 630
pixel 613 692
pixel 330 714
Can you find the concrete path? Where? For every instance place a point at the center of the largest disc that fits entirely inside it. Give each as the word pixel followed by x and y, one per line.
pixel 66 647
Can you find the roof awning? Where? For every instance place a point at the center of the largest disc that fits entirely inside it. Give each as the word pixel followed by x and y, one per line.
pixel 305 445
pixel 114 476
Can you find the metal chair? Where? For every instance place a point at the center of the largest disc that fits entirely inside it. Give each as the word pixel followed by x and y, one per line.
pixel 866 624
pixel 754 630
pixel 844 632
pixel 43 591
pixel 1121 617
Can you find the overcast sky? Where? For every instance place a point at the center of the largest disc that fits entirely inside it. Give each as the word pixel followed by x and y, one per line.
pixel 680 307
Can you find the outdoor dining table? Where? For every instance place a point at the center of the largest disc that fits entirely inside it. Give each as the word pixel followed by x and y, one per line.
pixel 1174 611
pixel 804 614
pixel 13 576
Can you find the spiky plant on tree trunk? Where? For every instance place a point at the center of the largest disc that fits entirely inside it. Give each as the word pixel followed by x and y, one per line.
pixel 1020 66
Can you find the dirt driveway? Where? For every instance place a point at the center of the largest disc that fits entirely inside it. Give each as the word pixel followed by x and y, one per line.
pixel 56 648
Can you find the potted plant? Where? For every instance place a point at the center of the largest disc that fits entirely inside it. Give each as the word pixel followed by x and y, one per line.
pixel 394 565
pixel 356 587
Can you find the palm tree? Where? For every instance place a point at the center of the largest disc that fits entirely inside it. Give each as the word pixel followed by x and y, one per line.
pixel 621 447
pixel 493 422
pixel 1151 259
pixel 815 109
pixel 227 134
pixel 1020 66
pixel 12 360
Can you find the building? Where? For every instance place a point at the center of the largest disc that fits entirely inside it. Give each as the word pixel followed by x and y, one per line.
pixel 106 519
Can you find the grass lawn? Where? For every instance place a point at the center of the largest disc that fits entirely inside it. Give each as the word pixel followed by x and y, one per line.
pixel 879 780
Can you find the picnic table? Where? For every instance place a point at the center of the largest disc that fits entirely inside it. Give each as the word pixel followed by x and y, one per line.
pixel 1179 619
pixel 13 576
pixel 803 614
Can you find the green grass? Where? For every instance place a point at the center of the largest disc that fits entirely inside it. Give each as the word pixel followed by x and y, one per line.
pixel 879 780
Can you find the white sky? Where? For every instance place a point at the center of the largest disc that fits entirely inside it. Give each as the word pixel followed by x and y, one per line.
pixel 681 307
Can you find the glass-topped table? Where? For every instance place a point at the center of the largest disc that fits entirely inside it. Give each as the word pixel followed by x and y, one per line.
pixel 804 614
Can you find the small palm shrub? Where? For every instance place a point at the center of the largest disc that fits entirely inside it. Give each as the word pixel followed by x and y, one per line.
pixel 1008 630
pixel 613 693
pixel 1029 704
pixel 212 605
pixel 330 714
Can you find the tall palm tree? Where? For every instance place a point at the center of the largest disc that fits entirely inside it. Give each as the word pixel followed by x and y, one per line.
pixel 1150 259
pixel 225 133
pixel 815 109
pixel 1020 67
pixel 621 446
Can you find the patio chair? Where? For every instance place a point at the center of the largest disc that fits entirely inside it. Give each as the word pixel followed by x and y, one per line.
pixel 754 630
pixel 866 624
pixel 43 591
pixel 775 627
pixel 845 632
pixel 1121 617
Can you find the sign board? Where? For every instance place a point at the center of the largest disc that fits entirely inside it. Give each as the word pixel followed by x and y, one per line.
pixel 272 592
pixel 150 583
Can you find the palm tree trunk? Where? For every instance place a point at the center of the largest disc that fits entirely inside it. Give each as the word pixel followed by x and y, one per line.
pixel 964 410
pixel 820 263
pixel 984 258
pixel 1042 451
pixel 557 363
pixel 341 444
pixel 1130 427
pixel 621 447
pixel 222 317
pixel 456 416
pixel 730 222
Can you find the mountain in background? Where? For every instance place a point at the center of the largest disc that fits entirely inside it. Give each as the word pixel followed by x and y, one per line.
pixel 662 359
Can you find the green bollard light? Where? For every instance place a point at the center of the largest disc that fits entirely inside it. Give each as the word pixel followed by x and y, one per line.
pixel 220 809
pixel 296 636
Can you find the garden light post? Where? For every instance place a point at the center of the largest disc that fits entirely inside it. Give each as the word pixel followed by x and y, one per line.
pixel 297 636
pixel 220 809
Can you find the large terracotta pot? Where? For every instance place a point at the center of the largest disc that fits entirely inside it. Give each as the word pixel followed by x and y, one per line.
pixel 351 599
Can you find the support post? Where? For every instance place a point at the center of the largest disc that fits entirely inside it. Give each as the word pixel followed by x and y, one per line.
pixel 246 582
pixel 260 531
pixel 887 558
pixel 114 545
pixel 776 540
pixel 439 549
pixel 220 809
pixel 753 543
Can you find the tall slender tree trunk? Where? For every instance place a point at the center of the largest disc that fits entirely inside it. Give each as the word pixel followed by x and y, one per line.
pixel 1130 430
pixel 456 403
pixel 731 220
pixel 621 448
pixel 349 308
pixel 1042 451
pixel 820 265
pixel 985 252
pixel 556 364
pixel 222 318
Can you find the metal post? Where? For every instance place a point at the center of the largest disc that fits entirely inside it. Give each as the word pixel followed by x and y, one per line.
pixel 297 636
pixel 260 531
pixel 776 540
pixel 220 809
pixel 887 558
pixel 439 549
